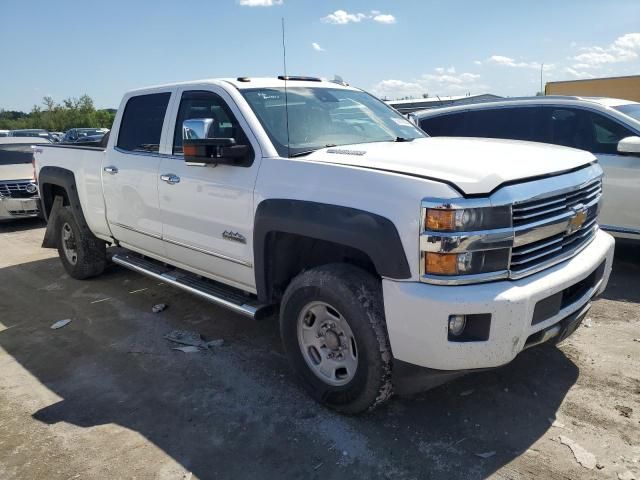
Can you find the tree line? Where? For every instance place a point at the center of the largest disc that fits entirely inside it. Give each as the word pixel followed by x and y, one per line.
pixel 59 117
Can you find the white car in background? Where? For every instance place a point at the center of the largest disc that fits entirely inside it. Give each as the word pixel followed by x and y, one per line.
pixel 607 127
pixel 19 196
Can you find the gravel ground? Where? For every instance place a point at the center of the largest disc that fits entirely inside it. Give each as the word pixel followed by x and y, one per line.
pixel 107 397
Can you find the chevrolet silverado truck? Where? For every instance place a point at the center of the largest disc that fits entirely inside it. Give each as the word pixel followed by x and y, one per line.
pixel 381 249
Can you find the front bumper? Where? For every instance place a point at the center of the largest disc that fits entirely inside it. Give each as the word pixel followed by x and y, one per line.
pixel 18 207
pixel 417 314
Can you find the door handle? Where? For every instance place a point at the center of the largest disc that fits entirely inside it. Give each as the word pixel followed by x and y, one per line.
pixel 111 169
pixel 170 178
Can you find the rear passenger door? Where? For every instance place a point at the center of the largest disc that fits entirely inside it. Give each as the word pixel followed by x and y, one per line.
pixel 130 174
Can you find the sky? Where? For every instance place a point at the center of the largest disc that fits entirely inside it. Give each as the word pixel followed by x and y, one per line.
pixel 392 48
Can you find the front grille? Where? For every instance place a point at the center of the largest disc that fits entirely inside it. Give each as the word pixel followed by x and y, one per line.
pixel 542 209
pixel 16 189
pixel 550 216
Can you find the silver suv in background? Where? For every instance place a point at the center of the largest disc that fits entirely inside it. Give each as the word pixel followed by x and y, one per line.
pixel 607 127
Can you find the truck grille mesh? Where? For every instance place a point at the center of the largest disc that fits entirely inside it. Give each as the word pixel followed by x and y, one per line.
pixel 16 190
pixel 530 215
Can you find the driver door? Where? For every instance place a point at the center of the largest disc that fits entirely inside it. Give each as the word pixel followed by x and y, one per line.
pixel 207 211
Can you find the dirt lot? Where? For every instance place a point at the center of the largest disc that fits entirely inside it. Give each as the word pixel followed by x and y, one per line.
pixel 107 397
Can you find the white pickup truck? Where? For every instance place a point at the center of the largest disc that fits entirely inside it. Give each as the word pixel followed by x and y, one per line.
pixel 383 250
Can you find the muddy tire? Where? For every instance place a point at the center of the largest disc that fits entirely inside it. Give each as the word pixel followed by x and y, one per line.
pixel 334 334
pixel 82 254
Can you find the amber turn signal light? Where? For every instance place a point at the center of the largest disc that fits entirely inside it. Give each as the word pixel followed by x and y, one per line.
pixel 438 220
pixel 441 263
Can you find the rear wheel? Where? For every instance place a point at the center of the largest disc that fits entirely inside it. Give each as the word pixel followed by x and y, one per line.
pixel 334 334
pixel 82 254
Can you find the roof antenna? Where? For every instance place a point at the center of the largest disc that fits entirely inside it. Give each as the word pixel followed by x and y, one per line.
pixel 286 96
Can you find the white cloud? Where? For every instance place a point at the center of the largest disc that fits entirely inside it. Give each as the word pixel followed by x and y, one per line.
pixel 575 73
pixel 442 82
pixel 317 47
pixel 624 49
pixel 260 3
pixel 477 62
pixel 384 18
pixel 503 61
pixel 397 89
pixel 341 17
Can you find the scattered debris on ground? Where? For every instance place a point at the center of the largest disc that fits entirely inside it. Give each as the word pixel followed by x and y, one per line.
pixel 187 349
pixel 467 392
pixel 485 455
pixel 626 476
pixel 624 411
pixel 558 424
pixel 588 323
pixel 60 324
pixel 159 307
pixel 582 456
pixel 192 339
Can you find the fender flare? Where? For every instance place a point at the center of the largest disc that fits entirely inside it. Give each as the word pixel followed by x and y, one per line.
pixel 368 232
pixel 65 179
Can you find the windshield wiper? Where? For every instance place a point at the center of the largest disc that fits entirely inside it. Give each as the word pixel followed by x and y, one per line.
pixel 307 152
pixel 403 139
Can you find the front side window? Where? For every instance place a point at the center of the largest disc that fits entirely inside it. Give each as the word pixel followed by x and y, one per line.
pixel 142 120
pixel 631 109
pixel 304 119
pixel 607 134
pixel 203 104
pixel 583 129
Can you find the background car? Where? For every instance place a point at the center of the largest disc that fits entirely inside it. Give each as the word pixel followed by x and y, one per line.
pixel 31 132
pixel 4 133
pixel 607 127
pixel 75 134
pixel 18 190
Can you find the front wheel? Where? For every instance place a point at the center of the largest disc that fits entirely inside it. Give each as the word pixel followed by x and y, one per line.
pixel 82 254
pixel 334 333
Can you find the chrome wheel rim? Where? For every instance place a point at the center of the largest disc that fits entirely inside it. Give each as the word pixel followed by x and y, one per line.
pixel 69 244
pixel 327 343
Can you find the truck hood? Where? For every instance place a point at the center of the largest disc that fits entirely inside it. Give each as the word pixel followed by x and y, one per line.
pixel 20 171
pixel 473 165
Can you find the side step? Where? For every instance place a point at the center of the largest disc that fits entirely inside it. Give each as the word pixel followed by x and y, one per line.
pixel 215 292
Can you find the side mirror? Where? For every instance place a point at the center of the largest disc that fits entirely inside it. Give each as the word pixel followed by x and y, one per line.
pixel 199 149
pixel 629 145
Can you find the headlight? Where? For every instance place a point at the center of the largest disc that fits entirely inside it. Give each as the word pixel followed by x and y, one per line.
pixel 465 241
pixel 467 219
pixel 466 263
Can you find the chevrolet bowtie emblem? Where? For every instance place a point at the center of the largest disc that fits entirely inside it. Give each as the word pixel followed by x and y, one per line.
pixel 577 220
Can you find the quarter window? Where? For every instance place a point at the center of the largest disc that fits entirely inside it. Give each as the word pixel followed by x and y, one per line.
pixel 142 120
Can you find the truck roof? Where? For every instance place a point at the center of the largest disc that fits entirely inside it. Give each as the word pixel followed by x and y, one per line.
pixel 243 83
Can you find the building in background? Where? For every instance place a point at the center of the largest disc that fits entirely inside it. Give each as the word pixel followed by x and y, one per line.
pixel 414 104
pixel 627 88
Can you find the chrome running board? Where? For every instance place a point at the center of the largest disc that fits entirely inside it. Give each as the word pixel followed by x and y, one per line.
pixel 215 292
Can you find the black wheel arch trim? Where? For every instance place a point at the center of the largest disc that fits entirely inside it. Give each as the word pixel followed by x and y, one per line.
pixel 368 232
pixel 64 178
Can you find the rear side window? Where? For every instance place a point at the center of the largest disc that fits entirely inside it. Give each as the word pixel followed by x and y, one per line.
pixel 509 123
pixel 15 153
pixel 141 126
pixel 444 125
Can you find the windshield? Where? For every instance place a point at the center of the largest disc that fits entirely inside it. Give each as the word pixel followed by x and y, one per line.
pixel 322 117
pixel 631 109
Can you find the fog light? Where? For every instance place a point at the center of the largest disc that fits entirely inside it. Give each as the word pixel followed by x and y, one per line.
pixel 457 324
